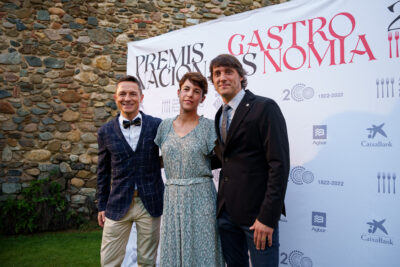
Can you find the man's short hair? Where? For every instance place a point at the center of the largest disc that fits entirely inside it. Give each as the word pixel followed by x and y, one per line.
pixel 226 60
pixel 130 78
pixel 197 79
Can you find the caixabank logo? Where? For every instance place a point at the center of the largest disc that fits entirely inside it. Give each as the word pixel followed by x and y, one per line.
pixel 377 233
pixel 376 136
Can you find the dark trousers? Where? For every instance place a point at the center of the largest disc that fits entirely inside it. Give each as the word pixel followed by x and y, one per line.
pixel 237 240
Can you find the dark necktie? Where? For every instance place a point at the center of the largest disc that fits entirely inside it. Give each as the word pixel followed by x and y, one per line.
pixel 225 121
pixel 135 122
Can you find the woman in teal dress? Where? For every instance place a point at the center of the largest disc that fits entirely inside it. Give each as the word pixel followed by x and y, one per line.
pixel 189 233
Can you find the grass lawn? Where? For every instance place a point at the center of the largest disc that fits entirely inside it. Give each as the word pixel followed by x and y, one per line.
pixel 69 248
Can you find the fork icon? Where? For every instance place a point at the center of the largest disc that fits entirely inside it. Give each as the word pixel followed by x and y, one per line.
pixel 392 82
pixel 379 182
pixel 396 37
pixel 387 87
pixel 390 37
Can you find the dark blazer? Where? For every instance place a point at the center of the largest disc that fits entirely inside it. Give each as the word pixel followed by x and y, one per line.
pixel 255 162
pixel 120 169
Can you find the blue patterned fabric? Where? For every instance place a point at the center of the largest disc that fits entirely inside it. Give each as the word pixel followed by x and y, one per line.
pixel 120 169
pixel 189 233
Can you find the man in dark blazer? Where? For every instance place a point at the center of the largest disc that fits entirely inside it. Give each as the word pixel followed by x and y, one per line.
pixel 253 148
pixel 129 183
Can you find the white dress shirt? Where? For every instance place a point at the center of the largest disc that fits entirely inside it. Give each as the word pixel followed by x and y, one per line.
pixel 132 133
pixel 234 103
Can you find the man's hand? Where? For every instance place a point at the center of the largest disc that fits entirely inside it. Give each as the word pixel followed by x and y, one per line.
pixel 262 233
pixel 101 218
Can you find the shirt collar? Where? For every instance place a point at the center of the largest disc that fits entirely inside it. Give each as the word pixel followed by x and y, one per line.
pixel 234 103
pixel 122 118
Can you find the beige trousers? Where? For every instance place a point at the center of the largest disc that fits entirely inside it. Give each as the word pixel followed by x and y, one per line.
pixel 116 236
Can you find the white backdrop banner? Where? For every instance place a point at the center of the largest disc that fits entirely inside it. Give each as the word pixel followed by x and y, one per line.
pixel 333 66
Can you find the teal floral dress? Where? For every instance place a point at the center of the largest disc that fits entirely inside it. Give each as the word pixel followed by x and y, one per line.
pixel 189 233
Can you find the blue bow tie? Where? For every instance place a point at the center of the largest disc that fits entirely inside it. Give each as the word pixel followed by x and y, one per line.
pixel 135 122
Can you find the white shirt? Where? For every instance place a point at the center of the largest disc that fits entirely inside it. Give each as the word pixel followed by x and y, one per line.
pixel 132 133
pixel 234 103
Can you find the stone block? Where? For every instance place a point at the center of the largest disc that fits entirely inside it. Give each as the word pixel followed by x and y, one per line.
pixel 11 188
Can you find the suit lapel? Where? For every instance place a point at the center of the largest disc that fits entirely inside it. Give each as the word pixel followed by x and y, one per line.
pixel 117 129
pixel 216 121
pixel 240 114
pixel 145 121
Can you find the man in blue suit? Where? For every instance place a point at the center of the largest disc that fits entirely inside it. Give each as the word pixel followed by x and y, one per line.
pixel 129 184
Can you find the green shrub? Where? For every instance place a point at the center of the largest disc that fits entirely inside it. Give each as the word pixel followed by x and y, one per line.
pixel 40 207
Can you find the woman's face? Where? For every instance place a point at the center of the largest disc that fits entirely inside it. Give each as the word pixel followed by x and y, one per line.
pixel 190 96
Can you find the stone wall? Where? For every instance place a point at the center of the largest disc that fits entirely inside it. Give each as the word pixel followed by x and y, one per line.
pixel 59 63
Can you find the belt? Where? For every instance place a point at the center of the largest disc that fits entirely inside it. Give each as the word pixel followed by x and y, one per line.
pixel 188 181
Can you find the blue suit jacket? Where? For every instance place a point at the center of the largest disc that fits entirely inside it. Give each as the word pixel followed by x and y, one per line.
pixel 120 169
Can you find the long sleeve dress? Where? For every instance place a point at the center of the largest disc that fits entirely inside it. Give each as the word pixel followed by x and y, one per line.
pixel 189 233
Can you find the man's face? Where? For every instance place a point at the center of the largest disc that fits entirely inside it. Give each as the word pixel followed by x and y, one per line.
pixel 128 99
pixel 227 82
